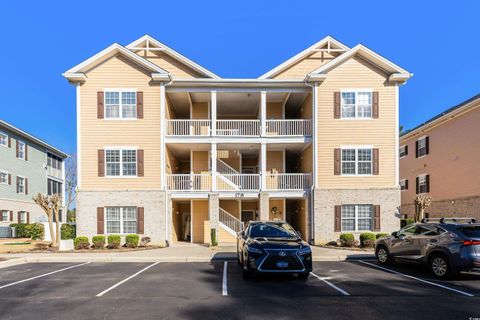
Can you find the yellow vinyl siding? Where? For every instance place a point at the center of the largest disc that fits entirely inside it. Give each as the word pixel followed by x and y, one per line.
pixel 199 212
pixel 200 111
pixel 333 133
pixel 280 205
pixel 274 110
pixel 176 68
pixel 300 69
pixel 118 72
pixel 231 206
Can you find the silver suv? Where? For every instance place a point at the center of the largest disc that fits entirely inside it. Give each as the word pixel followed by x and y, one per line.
pixel 447 246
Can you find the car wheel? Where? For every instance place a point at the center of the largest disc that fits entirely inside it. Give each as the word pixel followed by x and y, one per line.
pixel 440 266
pixel 382 255
pixel 247 273
pixel 304 275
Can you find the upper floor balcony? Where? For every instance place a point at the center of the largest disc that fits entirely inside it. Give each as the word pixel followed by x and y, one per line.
pixel 238 114
pixel 239 128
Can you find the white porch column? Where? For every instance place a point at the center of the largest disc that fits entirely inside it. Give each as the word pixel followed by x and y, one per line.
pixel 263 112
pixel 213 111
pixel 162 136
pixel 213 158
pixel 263 166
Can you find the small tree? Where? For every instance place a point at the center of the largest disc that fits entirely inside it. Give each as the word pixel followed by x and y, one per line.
pixel 70 181
pixel 422 202
pixel 51 205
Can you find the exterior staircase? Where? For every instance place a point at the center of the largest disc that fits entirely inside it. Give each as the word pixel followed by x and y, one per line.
pixel 229 222
pixel 228 174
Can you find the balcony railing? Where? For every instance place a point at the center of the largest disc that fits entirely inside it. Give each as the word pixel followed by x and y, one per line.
pixel 288 181
pixel 189 182
pixel 239 182
pixel 186 127
pixel 238 127
pixel 289 127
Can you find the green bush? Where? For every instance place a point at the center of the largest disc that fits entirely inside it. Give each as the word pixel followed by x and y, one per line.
pixel 113 241
pixel 67 231
pixel 98 242
pixel 81 243
pixel 35 231
pixel 406 222
pixel 213 236
pixel 381 235
pixel 347 239
pixel 131 240
pixel 367 239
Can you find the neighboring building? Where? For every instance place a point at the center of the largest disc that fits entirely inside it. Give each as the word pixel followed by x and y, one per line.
pixel 169 150
pixel 28 166
pixel 441 157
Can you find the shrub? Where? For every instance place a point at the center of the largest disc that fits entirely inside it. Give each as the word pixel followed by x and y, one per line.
pixel 98 242
pixel 20 230
pixel 367 239
pixel 347 239
pixel 35 231
pixel 81 243
pixel 213 236
pixel 381 235
pixel 131 240
pixel 67 231
pixel 113 241
pixel 406 222
pixel 145 241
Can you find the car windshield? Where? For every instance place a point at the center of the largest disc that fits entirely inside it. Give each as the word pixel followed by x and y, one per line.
pixel 272 230
pixel 471 231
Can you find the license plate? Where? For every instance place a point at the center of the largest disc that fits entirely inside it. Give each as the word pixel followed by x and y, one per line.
pixel 282 264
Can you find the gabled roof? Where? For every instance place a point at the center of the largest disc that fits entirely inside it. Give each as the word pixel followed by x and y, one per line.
pixel 150 41
pixel 77 73
pixel 396 73
pixel 446 115
pixel 30 137
pixel 330 41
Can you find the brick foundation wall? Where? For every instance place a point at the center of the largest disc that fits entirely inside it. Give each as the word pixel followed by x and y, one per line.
pixel 462 207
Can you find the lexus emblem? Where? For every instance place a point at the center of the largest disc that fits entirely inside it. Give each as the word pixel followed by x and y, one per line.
pixel 282 254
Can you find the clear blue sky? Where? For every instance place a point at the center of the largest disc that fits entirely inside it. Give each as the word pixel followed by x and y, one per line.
pixel 437 41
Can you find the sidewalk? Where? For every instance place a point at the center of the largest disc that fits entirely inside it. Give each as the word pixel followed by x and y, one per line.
pixel 183 253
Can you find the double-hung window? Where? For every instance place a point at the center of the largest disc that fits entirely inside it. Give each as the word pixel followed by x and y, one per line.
pixel 357 217
pixel 356 161
pixel 20 184
pixel 423 184
pixel 121 162
pixel 403 151
pixel 403 184
pixel 5 215
pixel 356 104
pixel 21 150
pixel 3 139
pixel 120 105
pixel 422 147
pixel 121 220
pixel 22 217
pixel 3 177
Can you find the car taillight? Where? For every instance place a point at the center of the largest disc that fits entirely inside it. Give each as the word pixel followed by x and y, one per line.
pixel 470 242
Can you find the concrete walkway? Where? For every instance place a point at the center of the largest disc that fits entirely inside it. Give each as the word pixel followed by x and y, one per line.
pixel 177 253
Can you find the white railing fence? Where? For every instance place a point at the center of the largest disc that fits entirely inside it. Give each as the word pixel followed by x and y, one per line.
pixel 238 127
pixel 240 182
pixel 224 168
pixel 230 221
pixel 187 182
pixel 288 181
pixel 187 127
pixel 289 127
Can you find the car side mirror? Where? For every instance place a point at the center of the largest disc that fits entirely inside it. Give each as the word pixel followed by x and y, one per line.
pixel 242 234
pixel 395 234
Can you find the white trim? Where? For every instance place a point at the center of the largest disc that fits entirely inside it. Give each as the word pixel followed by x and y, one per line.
pixel 372 212
pixel 356 92
pixel 314 135
pixel 17 184
pixel 301 55
pixel 79 132
pixel 356 148
pixel 121 233
pixel 121 175
pixel 163 151
pixel 109 52
pixel 397 136
pixel 372 57
pixel 120 104
pixel 7 173
pixel 173 53
pixel 24 150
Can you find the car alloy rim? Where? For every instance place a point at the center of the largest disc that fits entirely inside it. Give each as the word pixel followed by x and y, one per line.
pixel 439 266
pixel 382 255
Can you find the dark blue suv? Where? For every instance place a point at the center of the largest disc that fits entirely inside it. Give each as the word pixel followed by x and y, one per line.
pixel 447 246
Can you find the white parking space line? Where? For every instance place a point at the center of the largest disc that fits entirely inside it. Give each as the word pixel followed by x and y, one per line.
pixel 126 279
pixel 345 293
pixel 418 279
pixel 224 282
pixel 43 275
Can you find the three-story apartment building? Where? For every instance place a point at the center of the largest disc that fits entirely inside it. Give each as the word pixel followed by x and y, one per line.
pixel 440 157
pixel 28 166
pixel 169 150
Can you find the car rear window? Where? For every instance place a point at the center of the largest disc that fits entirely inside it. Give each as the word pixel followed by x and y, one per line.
pixel 471 231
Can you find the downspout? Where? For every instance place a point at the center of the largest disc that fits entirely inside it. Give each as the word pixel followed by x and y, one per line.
pixel 162 131
pixel 314 178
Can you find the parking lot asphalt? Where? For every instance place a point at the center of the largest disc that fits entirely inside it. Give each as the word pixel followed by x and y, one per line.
pixel 217 290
